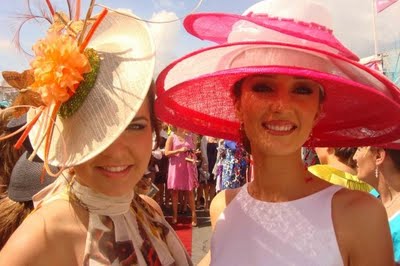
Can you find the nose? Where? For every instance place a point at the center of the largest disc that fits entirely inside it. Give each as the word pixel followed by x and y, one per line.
pixel 280 102
pixel 355 156
pixel 122 143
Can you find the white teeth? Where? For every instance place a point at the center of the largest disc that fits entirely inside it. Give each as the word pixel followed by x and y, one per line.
pixel 279 128
pixel 115 169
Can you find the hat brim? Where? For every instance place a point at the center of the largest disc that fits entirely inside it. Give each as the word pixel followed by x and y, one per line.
pixel 395 145
pixel 354 113
pixel 216 27
pixel 126 49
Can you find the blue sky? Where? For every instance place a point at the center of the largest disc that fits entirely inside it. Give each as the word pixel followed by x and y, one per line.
pixel 352 23
pixel 179 44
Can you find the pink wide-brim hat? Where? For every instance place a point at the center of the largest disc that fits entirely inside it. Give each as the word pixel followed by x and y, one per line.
pixel 304 22
pixel 394 145
pixel 360 106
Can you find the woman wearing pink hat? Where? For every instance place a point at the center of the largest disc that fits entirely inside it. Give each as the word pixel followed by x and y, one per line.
pixel 279 80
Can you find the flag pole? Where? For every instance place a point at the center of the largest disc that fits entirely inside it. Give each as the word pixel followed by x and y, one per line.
pixel 374 13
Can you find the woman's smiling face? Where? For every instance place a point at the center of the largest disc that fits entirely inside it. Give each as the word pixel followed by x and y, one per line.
pixel 116 170
pixel 278 111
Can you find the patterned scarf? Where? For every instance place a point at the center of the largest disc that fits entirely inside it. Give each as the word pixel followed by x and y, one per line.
pixel 125 230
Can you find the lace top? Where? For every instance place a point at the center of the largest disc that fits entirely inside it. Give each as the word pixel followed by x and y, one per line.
pixel 298 232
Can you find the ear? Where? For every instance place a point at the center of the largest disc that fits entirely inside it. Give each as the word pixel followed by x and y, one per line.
pixel 380 156
pixel 330 150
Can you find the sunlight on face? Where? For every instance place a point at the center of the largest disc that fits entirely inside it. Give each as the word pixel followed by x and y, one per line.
pixel 116 170
pixel 278 111
pixel 366 165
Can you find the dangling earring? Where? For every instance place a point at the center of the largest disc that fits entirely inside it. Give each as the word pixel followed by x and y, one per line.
pixel 310 152
pixel 241 132
pixel 243 138
pixel 376 172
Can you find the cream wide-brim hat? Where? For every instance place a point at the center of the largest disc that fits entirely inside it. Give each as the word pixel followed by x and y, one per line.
pixel 127 54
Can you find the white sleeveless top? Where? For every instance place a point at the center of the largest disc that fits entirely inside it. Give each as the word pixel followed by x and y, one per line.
pixel 298 232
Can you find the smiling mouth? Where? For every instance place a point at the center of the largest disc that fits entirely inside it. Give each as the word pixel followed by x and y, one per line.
pixel 115 171
pixel 279 129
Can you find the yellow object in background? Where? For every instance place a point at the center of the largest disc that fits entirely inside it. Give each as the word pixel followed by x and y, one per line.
pixel 338 177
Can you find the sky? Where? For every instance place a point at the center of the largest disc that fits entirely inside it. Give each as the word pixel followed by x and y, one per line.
pixel 352 24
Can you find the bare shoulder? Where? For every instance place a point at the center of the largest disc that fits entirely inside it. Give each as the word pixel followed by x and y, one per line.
pixel 219 203
pixel 152 203
pixel 361 218
pixel 37 239
pixel 359 206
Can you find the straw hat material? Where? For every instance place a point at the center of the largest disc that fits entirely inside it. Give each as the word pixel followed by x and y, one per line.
pixel 127 54
pixel 25 179
pixel 303 22
pixel 194 92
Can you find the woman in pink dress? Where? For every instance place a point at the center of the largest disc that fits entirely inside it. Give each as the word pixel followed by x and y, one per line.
pixel 182 172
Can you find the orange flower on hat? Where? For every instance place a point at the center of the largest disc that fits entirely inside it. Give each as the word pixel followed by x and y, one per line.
pixel 58 67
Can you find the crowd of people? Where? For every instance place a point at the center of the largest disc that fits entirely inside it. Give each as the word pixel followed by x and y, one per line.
pixel 250 133
pixel 191 169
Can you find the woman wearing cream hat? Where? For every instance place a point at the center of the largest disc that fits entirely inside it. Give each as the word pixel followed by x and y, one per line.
pixel 97 120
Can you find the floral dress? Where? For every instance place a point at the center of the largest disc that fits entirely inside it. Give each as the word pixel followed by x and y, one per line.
pixel 233 166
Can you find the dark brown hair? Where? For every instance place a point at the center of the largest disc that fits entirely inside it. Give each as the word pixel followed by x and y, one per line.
pixel 345 155
pixel 8 154
pixel 155 123
pixel 395 156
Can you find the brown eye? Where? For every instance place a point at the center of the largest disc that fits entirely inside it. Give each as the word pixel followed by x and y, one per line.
pixel 261 87
pixel 305 90
pixel 135 126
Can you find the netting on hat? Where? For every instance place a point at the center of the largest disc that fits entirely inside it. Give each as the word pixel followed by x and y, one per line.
pixel 223 28
pixel 195 92
pixel 249 54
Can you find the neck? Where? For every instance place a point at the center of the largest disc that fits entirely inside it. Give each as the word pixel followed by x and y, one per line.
pixel 341 166
pixel 279 176
pixel 388 185
pixel 99 203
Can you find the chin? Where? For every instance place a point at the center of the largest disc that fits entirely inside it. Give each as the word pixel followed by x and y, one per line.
pixel 277 148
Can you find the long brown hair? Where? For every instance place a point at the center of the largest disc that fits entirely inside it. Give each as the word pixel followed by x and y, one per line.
pixel 395 156
pixel 8 154
pixel 155 122
pixel 12 214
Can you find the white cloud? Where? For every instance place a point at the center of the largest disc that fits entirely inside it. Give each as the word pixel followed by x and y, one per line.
pixel 168 4
pixel 11 59
pixel 165 37
pixel 353 25
pixel 5 46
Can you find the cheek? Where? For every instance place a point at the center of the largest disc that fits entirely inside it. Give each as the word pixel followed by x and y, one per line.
pixel 366 165
pixel 83 172
pixel 249 102
pixel 309 110
pixel 144 144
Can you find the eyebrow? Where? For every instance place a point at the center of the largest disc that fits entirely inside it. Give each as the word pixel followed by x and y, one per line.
pixel 272 76
pixel 139 118
pixel 305 79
